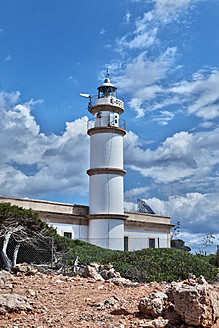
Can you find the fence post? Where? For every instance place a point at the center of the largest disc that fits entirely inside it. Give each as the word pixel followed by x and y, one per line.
pixel 52 253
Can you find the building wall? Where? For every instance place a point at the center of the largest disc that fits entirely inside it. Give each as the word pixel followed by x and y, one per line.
pixel 140 239
pixel 138 227
pixel 77 231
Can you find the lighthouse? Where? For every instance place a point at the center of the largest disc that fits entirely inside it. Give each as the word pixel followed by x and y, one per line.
pixel 106 201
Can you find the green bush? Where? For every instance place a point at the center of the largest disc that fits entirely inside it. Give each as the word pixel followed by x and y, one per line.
pixel 152 264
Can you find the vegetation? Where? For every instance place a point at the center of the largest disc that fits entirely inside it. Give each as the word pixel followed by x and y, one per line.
pixel 152 264
pixel 19 227
pixel 24 227
pixel 180 244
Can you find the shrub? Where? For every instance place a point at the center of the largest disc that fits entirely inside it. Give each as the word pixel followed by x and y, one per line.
pixel 157 264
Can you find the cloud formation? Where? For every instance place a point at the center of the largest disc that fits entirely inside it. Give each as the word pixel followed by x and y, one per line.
pixel 33 163
pixel 190 157
pixel 153 84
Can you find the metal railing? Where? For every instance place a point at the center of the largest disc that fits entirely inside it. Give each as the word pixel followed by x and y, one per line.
pixel 114 100
pixel 92 123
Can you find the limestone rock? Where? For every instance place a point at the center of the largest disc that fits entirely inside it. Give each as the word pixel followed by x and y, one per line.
pixel 120 311
pixel 90 271
pixel 197 305
pixel 169 314
pixel 5 275
pixel 12 303
pixel 191 276
pixel 107 303
pixel 156 323
pixel 21 267
pixel 153 305
pixel 122 282
pixel 95 265
pixel 108 274
pixel 201 280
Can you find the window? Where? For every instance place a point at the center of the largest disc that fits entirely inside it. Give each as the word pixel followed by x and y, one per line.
pixel 151 242
pixel 68 234
pixel 126 243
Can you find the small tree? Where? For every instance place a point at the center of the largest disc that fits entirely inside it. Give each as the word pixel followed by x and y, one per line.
pixel 175 231
pixel 22 227
pixel 206 241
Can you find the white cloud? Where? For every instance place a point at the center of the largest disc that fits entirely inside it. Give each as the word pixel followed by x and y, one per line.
pixel 182 157
pixel 35 164
pixel 164 118
pixel 127 17
pixel 141 79
pixel 170 8
pixel 149 83
pixel 195 211
pixel 140 41
pixel 131 207
pixel 135 192
pixel 102 32
pixel 201 94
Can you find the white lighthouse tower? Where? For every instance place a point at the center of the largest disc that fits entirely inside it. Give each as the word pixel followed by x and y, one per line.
pixel 106 205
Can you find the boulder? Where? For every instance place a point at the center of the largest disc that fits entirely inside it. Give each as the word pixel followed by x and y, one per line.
pixel 123 282
pixel 13 303
pixel 154 304
pixel 197 305
pixel 108 274
pixel 90 271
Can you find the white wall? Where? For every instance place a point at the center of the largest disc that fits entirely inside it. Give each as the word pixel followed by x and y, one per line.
pixel 78 231
pixel 107 233
pixel 140 239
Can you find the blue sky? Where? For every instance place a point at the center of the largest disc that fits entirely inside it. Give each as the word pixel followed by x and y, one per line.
pixel 163 57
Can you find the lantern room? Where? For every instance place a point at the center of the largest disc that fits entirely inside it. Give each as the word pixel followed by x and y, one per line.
pixel 106 89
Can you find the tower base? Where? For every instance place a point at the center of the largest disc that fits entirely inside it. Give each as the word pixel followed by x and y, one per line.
pixel 107 231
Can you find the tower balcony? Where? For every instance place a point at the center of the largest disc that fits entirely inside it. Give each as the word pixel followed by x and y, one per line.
pixel 106 122
pixel 116 104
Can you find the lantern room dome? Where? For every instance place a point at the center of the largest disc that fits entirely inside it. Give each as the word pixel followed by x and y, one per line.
pixel 107 89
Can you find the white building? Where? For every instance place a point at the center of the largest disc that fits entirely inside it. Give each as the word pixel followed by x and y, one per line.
pixel 141 230
pixel 104 223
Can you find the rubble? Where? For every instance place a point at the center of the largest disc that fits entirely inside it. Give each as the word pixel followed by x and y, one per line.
pixel 51 300
pixel 156 323
pixel 13 303
pixel 109 274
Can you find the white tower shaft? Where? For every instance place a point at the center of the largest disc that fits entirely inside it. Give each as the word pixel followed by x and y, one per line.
pixel 106 208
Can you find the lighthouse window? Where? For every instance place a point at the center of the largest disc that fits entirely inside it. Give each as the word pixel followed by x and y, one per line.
pixel 106 92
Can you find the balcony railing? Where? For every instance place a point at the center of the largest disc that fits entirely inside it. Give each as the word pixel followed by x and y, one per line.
pixel 95 101
pixel 94 123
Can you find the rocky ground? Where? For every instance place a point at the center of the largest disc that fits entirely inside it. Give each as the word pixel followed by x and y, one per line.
pixel 49 300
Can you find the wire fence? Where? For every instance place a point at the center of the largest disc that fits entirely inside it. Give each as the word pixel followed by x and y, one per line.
pixel 50 253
